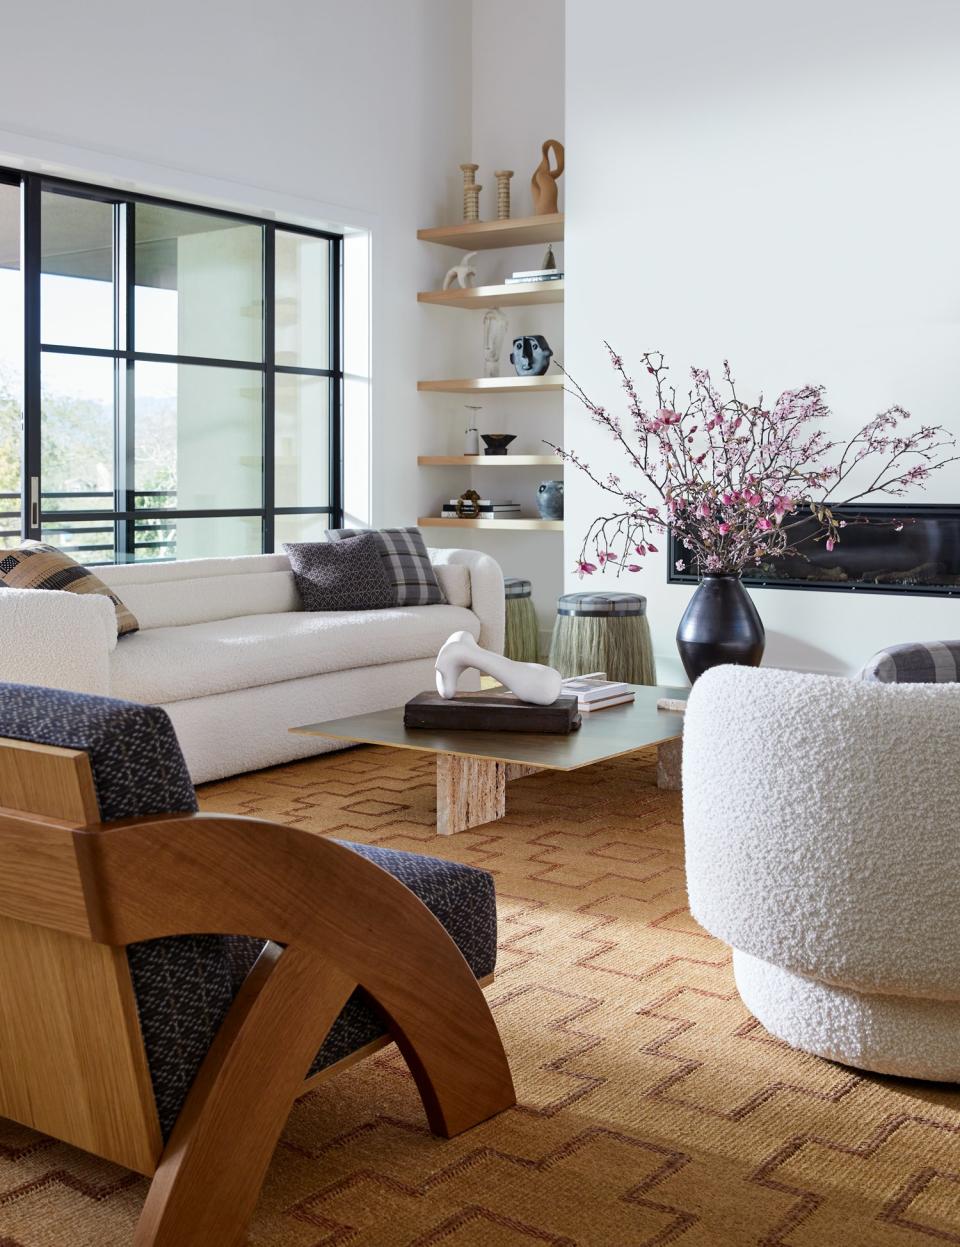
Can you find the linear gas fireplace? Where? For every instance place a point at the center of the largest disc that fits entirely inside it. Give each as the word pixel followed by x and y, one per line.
pixel 873 557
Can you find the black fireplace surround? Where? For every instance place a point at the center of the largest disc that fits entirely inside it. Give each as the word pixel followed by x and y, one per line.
pixel 871 557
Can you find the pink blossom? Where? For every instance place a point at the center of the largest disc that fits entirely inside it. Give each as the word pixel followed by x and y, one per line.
pixel 680 565
pixel 764 525
pixel 830 543
pixel 703 510
pixel 723 529
pixel 652 548
pixel 586 569
pixel 634 567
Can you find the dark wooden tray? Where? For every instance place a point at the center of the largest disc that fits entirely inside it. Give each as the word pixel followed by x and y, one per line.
pixel 491 712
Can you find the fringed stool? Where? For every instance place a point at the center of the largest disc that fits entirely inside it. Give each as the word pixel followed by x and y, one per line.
pixel 523 636
pixel 603 632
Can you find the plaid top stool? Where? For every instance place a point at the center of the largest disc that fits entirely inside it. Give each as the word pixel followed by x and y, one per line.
pixel 523 637
pixel 603 632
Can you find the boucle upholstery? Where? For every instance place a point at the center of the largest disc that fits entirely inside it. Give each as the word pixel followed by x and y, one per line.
pixel 821 819
pixel 56 638
pixel 185 984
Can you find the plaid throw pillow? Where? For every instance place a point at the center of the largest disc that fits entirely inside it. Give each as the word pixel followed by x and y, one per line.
pixel 35 565
pixel 406 562
pixel 348 576
pixel 918 662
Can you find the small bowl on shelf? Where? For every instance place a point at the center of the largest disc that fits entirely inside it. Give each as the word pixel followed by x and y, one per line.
pixel 497 443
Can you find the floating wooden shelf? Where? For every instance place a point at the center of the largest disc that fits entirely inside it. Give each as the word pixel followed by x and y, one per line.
pixel 519 295
pixel 485 235
pixel 495 385
pixel 489 461
pixel 531 526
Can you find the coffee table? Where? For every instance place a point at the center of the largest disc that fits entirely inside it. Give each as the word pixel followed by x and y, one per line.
pixel 473 768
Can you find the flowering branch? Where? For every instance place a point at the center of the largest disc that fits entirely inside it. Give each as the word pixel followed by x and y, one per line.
pixel 734 479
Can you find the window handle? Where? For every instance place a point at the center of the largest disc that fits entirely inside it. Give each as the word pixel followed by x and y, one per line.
pixel 34 501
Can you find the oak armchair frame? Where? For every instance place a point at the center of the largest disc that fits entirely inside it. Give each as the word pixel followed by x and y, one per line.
pixel 75 891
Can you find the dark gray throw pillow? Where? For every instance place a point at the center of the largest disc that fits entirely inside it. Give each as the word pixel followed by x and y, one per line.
pixel 406 562
pixel 343 576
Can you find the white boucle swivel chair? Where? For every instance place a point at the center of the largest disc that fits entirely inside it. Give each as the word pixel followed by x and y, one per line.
pixel 822 823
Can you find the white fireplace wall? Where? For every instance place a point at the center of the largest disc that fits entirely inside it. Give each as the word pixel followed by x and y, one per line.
pixel 776 186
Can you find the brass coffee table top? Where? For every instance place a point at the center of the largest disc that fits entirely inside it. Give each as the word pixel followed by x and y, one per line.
pixel 604 734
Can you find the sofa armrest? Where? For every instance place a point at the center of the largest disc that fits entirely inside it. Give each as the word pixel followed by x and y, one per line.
pixel 486 592
pixel 918 662
pixel 57 639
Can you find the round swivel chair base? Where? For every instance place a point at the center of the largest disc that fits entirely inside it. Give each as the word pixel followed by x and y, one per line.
pixel 910 1036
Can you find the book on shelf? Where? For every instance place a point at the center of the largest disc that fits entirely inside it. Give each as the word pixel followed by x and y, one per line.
pixel 538 272
pixel 516 280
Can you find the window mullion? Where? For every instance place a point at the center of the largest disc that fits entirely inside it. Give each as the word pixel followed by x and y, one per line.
pixel 269 385
pixel 30 266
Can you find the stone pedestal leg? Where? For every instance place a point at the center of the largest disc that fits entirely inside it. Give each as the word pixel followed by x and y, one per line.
pixel 668 764
pixel 473 791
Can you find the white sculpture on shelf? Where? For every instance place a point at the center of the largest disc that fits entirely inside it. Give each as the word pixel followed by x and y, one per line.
pixel 531 681
pixel 461 273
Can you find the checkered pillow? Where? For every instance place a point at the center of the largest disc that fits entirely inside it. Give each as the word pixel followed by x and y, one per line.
pixel 406 562
pixel 36 565
pixel 920 662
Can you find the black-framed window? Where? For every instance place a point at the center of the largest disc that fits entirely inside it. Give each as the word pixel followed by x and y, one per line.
pixel 179 380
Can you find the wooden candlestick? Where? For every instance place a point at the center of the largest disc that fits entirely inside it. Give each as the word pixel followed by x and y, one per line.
pixel 470 202
pixel 503 177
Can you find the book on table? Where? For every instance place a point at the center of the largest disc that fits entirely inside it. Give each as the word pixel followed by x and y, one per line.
pixel 592 689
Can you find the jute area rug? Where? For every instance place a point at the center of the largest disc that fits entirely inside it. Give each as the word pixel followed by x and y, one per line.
pixel 653 1108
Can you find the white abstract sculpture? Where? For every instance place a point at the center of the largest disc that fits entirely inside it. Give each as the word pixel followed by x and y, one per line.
pixel 461 273
pixel 529 680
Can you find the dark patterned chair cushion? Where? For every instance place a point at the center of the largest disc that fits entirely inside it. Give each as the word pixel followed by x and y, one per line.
pixel 919 662
pixel 185 984
pixel 406 561
pixel 341 576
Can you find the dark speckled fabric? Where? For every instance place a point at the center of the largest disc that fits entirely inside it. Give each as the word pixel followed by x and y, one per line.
pixel 185 984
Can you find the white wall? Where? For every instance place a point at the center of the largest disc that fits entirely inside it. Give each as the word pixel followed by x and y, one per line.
pixel 775 184
pixel 321 111
pixel 517 103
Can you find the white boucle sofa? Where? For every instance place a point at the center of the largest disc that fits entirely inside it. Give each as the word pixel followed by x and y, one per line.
pixel 226 649
pixel 821 818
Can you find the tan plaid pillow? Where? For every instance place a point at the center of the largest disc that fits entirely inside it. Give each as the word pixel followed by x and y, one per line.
pixel 35 565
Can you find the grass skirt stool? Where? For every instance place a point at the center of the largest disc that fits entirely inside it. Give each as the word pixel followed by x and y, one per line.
pixel 523 637
pixel 603 632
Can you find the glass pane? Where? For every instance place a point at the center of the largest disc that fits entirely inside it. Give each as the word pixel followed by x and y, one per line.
pixel 303 300
pixel 209 537
pixel 76 282
pixel 87 541
pixel 302 441
pixel 11 366
pixel 198 440
pixel 299 528
pixel 199 284
pixel 76 433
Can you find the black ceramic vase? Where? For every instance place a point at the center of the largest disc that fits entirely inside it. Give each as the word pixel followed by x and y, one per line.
pixel 720 625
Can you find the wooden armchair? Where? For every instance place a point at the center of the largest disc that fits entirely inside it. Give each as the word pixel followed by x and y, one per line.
pixel 145 1017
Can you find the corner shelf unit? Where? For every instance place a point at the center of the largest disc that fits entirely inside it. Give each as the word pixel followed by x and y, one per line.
pixel 489 461
pixel 521 525
pixel 489 235
pixel 493 385
pixel 520 294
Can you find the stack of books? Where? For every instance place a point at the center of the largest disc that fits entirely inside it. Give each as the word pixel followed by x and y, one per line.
pixel 596 692
pixel 484 509
pixel 535 274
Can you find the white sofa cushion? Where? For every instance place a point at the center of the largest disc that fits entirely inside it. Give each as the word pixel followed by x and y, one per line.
pixel 176 663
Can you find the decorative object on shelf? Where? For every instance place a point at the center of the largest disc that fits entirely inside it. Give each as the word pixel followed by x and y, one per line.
pixel 543 184
pixel 550 500
pixel 720 625
pixel 740 483
pixel 461 273
pixel 471 192
pixel 468 505
pixel 486 509
pixel 533 276
pixel 603 632
pixel 522 641
pixel 503 177
pixel 471 438
pixel 495 325
pixel 530 681
pixel 497 443
pixel 549 260
pixel 531 355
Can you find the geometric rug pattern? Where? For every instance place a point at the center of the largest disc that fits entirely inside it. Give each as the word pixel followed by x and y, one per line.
pixel 653 1109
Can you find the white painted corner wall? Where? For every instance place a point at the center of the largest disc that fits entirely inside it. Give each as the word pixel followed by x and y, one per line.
pixel 777 185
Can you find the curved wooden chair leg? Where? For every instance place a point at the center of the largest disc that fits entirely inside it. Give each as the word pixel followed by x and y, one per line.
pixel 209 1178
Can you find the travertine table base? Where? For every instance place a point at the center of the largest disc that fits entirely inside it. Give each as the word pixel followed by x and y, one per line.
pixel 474 768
